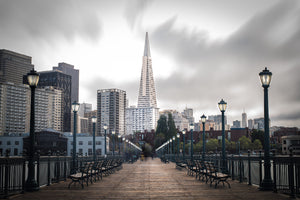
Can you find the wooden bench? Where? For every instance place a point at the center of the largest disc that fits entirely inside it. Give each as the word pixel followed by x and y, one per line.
pixel 81 176
pixel 215 176
pixel 180 164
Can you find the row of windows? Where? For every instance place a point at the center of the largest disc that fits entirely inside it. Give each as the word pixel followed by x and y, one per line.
pixel 89 143
pixel 9 142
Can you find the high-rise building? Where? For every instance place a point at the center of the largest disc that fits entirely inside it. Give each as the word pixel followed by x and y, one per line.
pixel 89 115
pixel 181 122
pixel 15 109
pixel 62 82
pixel 236 124
pixel 145 116
pixel 74 73
pixel 250 123
pixel 188 113
pixel 84 108
pixel 111 111
pixel 244 120
pixel 13 66
pixel 147 94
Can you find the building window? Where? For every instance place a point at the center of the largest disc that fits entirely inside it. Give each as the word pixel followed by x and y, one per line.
pixel 8 143
pixel 284 141
pixel 98 152
pixel 90 152
pixel 17 142
pixel 90 143
pixel 0 142
pixel 71 143
pixel 15 151
pixel 80 143
pixel 80 152
pixel 98 142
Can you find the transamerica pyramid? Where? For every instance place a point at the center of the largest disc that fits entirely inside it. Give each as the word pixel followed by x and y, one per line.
pixel 147 94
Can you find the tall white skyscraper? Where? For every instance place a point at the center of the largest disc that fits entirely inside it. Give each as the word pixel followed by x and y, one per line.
pixel 147 94
pixel 244 120
pixel 145 115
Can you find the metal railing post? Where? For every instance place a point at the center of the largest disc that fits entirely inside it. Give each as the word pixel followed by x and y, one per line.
pixel 249 169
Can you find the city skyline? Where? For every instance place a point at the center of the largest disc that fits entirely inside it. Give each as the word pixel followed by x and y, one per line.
pixel 204 51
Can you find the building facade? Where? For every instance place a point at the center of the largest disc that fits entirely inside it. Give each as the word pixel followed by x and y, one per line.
pixel 13 66
pixel 244 120
pixel 62 82
pixel 111 105
pixel 140 119
pixel 188 114
pixel 74 73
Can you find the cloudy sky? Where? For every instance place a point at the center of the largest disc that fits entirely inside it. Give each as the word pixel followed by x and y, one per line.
pixel 202 51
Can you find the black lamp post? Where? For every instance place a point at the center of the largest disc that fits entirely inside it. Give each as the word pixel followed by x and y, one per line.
pixel 170 146
pixel 178 136
pixel 183 150
pixel 222 106
pixel 192 148
pixel 113 140
pixel 267 183
pixel 31 184
pixel 94 120
pixel 173 150
pixel 119 141
pixel 75 108
pixel 203 119
pixel 105 128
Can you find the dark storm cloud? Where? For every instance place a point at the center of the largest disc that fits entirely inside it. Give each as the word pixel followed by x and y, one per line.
pixel 48 21
pixel 229 68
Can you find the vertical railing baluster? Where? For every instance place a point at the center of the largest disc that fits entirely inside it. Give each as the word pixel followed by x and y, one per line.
pixel 274 172
pixel 291 174
pixel 49 169
pixel 232 168
pixel 260 168
pixel 249 168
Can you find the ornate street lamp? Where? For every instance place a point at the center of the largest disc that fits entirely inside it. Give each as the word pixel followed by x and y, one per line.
pixel 105 128
pixel 113 140
pixel 183 150
pixel 31 184
pixel 192 148
pixel 203 119
pixel 94 120
pixel 222 106
pixel 173 150
pixel 267 183
pixel 123 142
pixel 75 108
pixel 178 136
pixel 170 146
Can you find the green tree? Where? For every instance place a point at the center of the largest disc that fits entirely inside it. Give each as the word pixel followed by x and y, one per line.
pixel 212 144
pixel 159 139
pixel 245 143
pixel 171 127
pixel 257 144
pixel 162 126
pixel 257 134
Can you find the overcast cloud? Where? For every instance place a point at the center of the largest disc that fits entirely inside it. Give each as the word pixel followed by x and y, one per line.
pixel 202 51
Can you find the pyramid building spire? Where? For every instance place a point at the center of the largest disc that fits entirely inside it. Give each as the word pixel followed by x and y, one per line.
pixel 147 94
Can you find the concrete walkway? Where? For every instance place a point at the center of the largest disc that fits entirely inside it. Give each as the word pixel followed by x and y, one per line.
pixel 150 179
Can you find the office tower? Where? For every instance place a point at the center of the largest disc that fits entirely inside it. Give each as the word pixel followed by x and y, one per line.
pixel 84 108
pixel 181 122
pixel 188 113
pixel 15 109
pixel 13 66
pixel 244 120
pixel 89 115
pixel 147 94
pixel 236 124
pixel 62 82
pixel 111 105
pixel 250 123
pixel 145 116
pixel 74 73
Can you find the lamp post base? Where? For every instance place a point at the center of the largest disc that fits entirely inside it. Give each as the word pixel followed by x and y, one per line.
pixel 31 186
pixel 267 185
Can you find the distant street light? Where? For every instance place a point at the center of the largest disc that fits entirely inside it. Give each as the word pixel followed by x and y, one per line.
pixel 267 183
pixel 119 141
pixel 192 148
pixel 178 136
pixel 105 128
pixel 31 184
pixel 113 140
pixel 75 108
pixel 94 120
pixel 183 150
pixel 203 119
pixel 222 106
